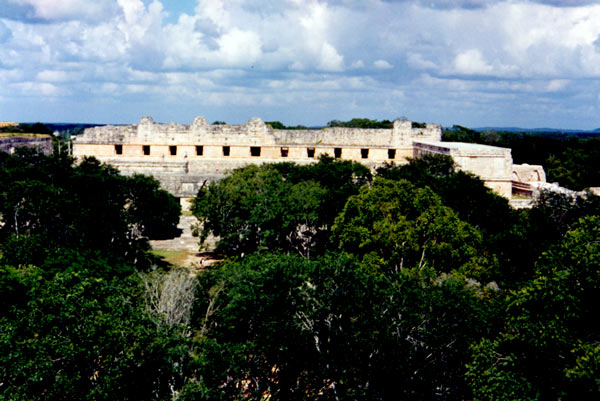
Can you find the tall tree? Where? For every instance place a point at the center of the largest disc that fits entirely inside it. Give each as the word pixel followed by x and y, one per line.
pixel 277 207
pixel 79 337
pixel 286 327
pixel 393 225
pixel 49 206
pixel 549 346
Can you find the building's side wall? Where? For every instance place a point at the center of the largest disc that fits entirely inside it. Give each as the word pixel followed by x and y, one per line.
pixel 487 166
pixel 502 188
pixel 492 164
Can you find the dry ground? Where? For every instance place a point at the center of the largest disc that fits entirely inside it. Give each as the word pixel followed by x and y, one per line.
pixel 184 250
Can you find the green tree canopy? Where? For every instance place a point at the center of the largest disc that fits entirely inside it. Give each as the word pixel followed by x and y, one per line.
pixel 292 328
pixel 79 337
pixel 277 207
pixel 361 123
pixel 549 347
pixel 49 206
pixel 394 224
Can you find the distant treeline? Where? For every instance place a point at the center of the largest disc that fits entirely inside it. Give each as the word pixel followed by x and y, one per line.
pixel 71 129
pixel 368 123
pixel 47 128
pixel 36 128
pixel 354 123
pixel 361 123
pixel 571 159
pixel 280 125
pixel 364 123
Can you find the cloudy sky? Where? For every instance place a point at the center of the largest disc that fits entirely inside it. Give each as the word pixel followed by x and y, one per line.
pixel 469 62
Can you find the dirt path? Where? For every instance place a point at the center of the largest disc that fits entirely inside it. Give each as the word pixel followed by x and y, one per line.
pixel 184 250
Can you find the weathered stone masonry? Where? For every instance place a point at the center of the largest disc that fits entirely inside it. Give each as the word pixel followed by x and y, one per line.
pixel 11 142
pixel 182 157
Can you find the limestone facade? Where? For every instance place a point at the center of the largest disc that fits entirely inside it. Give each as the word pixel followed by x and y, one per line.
pixel 183 157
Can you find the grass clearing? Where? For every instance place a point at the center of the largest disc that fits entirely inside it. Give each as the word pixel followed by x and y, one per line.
pixel 21 134
pixel 521 197
pixel 174 257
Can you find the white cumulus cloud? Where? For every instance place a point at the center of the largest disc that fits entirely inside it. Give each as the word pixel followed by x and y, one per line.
pixel 471 62
pixel 452 56
pixel 330 59
pixel 382 65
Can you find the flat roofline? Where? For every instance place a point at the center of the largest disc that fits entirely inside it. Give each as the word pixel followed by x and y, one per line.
pixel 459 145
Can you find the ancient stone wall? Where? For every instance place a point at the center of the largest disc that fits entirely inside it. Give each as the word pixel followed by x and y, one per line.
pixel 183 156
pixel 9 143
pixel 528 173
pixel 527 179
pixel 255 133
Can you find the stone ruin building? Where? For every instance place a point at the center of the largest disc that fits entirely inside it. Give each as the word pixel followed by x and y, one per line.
pixel 184 157
pixel 10 141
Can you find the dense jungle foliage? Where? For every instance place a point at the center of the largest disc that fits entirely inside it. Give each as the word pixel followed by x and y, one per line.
pixel 414 282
